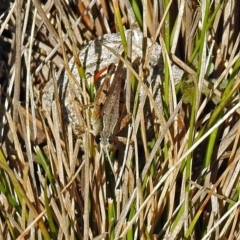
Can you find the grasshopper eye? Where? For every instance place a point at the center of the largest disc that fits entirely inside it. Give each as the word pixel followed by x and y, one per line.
pixel 110 139
pixel 98 138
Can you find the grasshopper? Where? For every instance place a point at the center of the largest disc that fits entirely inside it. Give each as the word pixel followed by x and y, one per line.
pixel 106 114
pixel 100 99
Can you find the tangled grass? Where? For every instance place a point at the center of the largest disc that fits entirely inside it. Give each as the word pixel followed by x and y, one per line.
pixel 180 182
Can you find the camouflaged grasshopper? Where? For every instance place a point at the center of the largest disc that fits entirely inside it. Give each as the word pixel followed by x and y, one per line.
pixel 106 111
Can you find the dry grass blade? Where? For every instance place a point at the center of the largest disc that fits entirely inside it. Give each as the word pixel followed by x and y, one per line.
pixel 18 58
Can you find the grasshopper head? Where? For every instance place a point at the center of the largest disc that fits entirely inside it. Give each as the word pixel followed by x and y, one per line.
pixel 105 139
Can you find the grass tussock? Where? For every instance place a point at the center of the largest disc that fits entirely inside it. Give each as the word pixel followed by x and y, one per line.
pixel 175 172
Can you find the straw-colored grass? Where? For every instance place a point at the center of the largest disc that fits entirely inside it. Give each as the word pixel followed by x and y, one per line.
pixel 176 173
